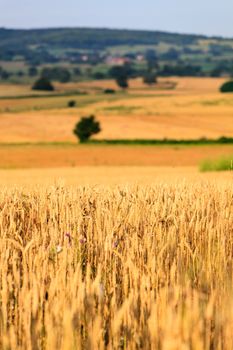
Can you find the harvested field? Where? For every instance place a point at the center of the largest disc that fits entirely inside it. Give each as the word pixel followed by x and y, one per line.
pixel 44 156
pixel 194 109
pixel 182 85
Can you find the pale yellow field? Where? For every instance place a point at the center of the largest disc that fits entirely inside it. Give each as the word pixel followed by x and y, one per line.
pixel 194 109
pixel 109 176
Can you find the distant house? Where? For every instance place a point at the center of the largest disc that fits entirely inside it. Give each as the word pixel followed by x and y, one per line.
pixel 140 58
pixel 117 61
pixel 85 58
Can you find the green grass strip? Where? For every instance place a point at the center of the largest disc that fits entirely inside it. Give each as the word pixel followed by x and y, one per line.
pixel 221 164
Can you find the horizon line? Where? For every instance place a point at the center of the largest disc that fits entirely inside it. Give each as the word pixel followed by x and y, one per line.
pixel 210 36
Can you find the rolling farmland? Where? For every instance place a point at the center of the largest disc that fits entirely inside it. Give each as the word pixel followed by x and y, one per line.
pixel 115 246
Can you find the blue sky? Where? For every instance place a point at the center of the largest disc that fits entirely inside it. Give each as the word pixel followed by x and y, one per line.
pixel 211 17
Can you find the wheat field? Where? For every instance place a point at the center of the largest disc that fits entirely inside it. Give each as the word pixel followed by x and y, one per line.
pixel 117 267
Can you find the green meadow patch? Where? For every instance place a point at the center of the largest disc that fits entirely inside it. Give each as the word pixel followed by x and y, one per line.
pixel 220 164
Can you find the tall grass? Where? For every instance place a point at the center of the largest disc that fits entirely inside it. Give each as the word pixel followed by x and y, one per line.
pixel 124 268
pixel 220 164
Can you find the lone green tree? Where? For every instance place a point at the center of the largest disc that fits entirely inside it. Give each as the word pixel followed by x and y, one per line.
pixel 86 127
pixel 152 60
pixel 122 82
pixel 121 75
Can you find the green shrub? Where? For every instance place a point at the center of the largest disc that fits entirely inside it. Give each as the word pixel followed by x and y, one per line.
pixel 99 76
pixel 227 87
pixel 43 84
pixel 71 104
pixel 109 91
pixel 150 78
pixel 60 74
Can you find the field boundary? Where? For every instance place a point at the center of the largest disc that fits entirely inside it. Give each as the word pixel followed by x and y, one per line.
pixel 202 141
pixel 128 142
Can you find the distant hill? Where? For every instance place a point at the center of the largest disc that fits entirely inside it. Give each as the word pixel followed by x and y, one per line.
pixel 190 54
pixel 90 38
